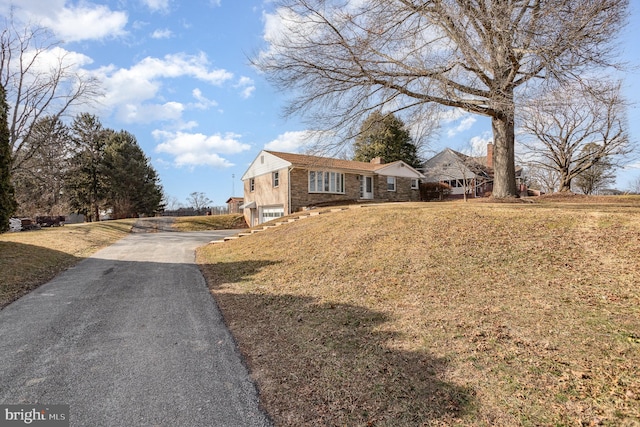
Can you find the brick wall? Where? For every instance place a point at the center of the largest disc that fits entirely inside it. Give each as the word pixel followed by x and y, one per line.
pixel 403 192
pixel 300 196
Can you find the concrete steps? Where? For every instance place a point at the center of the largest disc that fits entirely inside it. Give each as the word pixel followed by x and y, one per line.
pixel 303 215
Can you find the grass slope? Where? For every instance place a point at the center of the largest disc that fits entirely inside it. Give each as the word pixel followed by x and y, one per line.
pixel 31 258
pixel 440 314
pixel 211 222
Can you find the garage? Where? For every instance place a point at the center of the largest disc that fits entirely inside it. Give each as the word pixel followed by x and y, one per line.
pixel 272 212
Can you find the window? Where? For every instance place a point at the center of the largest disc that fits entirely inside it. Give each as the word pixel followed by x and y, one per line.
pixel 326 182
pixel 252 184
pixel 391 183
pixel 415 184
pixel 275 178
pixel 455 183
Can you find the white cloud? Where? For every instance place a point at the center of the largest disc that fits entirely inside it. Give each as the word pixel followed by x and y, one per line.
pixel 55 57
pixel 164 33
pixel 197 149
pixel 206 159
pixel 84 21
pixel 464 124
pixel 247 92
pixel 148 113
pixel 631 166
pixel 290 142
pixel 203 102
pixel 128 89
pixel 247 86
pixel 157 5
pixel 478 144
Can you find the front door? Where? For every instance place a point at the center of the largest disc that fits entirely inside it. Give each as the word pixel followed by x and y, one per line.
pixel 366 187
pixel 254 217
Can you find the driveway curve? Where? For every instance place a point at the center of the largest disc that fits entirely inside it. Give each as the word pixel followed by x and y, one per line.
pixel 129 337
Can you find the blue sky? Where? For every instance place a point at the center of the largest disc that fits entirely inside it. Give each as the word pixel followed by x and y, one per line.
pixel 176 75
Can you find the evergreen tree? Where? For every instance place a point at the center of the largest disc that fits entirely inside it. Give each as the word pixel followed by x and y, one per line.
pixel 7 198
pixel 132 184
pixel 85 180
pixel 385 136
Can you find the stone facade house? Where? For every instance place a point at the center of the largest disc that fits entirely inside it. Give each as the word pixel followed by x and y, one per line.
pixel 278 184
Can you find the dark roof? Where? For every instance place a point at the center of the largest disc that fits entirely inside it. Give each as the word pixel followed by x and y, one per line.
pixel 475 164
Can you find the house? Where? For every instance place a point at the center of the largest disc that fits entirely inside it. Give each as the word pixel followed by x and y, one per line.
pixel 466 174
pixel 233 204
pixel 462 173
pixel 277 184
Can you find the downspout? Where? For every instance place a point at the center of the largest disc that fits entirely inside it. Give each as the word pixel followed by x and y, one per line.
pixel 289 169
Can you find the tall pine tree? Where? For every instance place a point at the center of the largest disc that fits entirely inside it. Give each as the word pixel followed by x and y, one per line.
pixel 85 182
pixel 132 184
pixel 7 197
pixel 385 136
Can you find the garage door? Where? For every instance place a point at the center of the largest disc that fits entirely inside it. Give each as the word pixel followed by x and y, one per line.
pixel 272 212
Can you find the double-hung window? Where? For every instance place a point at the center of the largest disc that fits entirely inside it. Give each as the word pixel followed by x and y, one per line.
pixel 275 178
pixel 252 184
pixel 391 183
pixel 326 182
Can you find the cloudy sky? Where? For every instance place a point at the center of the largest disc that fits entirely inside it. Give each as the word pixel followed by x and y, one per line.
pixel 176 75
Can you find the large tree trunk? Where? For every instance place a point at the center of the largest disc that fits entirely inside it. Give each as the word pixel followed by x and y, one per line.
pixel 504 179
pixel 565 181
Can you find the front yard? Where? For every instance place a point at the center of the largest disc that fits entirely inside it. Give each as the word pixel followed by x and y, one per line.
pixel 441 314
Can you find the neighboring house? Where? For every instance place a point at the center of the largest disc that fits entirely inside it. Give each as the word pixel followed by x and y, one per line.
pixel 233 204
pixel 462 173
pixel 278 184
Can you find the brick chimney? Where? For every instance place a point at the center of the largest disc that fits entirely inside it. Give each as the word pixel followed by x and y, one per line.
pixel 490 155
pixel 377 161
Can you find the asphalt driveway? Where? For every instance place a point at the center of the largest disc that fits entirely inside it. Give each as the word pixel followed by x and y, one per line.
pixel 128 337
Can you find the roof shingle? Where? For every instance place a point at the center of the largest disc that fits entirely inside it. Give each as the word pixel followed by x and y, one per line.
pixel 306 161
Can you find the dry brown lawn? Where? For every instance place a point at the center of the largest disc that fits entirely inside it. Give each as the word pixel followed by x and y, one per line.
pixel 31 258
pixel 472 314
pixel 211 222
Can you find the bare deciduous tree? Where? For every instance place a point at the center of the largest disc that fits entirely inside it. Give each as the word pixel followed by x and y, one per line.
pixel 342 59
pixel 635 186
pixel 40 80
pixel 599 175
pixel 542 177
pixel 199 201
pixel 558 126
pixel 39 182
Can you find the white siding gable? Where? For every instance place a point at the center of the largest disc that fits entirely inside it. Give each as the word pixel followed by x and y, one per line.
pixel 263 164
pixel 400 169
pixel 446 165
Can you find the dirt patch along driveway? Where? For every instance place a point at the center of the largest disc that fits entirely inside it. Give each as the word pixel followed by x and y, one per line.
pixel 130 336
